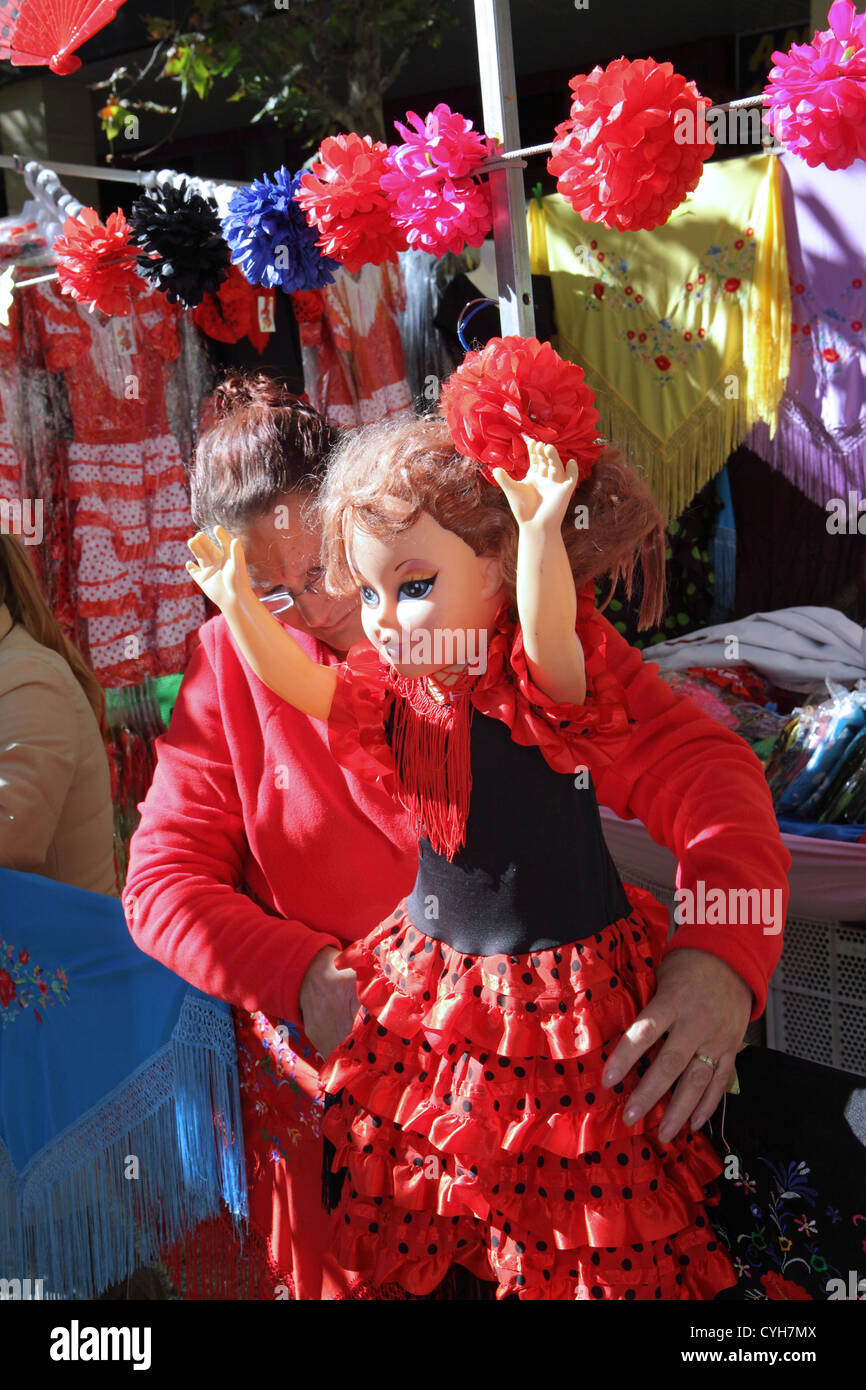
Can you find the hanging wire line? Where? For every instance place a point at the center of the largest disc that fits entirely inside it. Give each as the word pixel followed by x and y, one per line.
pixel 504 157
pixel 466 315
pixel 99 171
pixel 19 284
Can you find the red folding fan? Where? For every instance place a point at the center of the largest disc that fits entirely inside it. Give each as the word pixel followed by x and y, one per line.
pixel 47 31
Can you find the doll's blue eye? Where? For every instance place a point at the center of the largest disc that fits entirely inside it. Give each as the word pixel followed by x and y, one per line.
pixel 368 595
pixel 417 588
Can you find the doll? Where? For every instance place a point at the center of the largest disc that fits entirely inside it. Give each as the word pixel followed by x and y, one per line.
pixel 466 1109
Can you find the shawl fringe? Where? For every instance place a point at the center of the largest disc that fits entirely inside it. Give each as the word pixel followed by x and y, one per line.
pixel 75 1219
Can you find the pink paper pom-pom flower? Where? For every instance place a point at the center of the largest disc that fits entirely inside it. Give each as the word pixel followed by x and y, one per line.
pixel 435 201
pixel 816 94
pixel 514 387
pixel 97 264
pixel 342 197
pixel 634 146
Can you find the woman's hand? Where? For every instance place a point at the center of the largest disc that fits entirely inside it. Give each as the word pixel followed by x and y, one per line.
pixel 540 498
pixel 328 1001
pixel 220 570
pixel 704 1006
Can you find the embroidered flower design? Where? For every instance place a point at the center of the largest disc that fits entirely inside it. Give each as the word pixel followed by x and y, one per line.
pixel 830 355
pixel 598 290
pixel 732 284
pixel 663 363
pixel 856 325
pixel 23 985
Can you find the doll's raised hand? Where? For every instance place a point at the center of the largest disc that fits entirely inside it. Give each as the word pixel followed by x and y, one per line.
pixel 272 653
pixel 220 570
pixel 540 498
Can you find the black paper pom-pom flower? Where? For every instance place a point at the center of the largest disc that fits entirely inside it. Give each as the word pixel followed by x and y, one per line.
pixel 185 253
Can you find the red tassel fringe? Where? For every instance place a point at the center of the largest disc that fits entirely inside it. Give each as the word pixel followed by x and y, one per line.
pixel 432 756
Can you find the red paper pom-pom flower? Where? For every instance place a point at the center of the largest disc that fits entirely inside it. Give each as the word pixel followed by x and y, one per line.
pixel 517 386
pixel 634 146
pixel 97 264
pixel 816 94
pixel 436 202
pixel 343 199
pixel 308 305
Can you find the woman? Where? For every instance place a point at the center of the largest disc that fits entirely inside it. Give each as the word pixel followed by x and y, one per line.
pixel 257 856
pixel 55 786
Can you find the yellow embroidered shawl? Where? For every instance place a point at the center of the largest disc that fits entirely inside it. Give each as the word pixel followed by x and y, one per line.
pixel 683 332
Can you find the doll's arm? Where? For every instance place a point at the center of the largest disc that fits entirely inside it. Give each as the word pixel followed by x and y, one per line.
pixel 268 648
pixel 546 598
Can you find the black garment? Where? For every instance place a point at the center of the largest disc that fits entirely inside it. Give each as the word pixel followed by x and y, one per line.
pixel 689 578
pixel 791 1196
pixel 534 872
pixel 785 554
pixel 485 324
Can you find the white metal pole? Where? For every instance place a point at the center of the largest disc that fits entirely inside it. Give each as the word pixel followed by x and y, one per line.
pixel 499 98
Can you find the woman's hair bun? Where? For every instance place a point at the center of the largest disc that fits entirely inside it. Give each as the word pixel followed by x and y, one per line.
pixel 239 390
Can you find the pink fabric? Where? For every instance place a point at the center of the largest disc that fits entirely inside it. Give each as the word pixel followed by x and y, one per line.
pixel 826 876
pixel 820 441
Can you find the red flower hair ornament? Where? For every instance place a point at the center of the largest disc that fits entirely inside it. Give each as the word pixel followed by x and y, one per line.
pixel 634 146
pixel 816 93
pixel 515 387
pixel 429 178
pixel 342 197
pixel 96 264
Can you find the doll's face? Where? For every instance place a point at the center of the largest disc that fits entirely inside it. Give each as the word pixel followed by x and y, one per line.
pixel 418 588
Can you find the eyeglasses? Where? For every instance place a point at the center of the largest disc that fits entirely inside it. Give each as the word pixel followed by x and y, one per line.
pixel 282 599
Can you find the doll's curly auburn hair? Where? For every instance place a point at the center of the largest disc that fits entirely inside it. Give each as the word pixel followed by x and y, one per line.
pixel 414 460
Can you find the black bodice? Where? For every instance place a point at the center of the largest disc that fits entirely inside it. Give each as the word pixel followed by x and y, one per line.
pixel 534 871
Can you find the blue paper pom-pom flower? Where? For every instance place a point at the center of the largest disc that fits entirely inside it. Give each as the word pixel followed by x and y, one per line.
pixel 269 237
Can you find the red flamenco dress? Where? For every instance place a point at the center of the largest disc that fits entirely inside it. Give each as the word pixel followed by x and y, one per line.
pixel 466 1112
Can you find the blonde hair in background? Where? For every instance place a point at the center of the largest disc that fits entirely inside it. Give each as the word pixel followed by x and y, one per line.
pixel 19 590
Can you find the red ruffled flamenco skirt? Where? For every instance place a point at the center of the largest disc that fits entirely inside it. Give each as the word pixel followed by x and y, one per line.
pixel 475 1128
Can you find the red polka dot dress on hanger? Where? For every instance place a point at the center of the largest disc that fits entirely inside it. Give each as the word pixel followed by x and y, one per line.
pixel 126 476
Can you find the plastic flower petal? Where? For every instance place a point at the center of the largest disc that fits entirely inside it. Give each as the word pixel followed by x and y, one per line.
pixel 97 264
pixel 343 199
pixel 816 93
pixel 184 252
pixel 436 201
pixel 634 145
pixel 514 387
pixel 270 238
